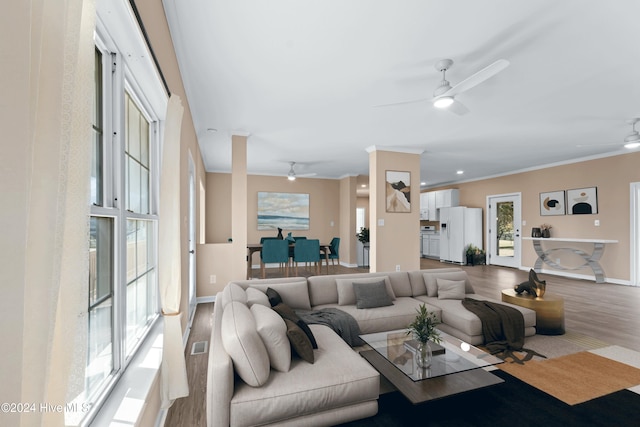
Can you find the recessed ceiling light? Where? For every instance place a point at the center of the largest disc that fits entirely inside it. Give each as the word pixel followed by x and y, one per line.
pixel 363 185
pixel 459 172
pixel 423 183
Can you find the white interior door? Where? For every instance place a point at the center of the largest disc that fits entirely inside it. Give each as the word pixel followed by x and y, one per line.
pixel 504 230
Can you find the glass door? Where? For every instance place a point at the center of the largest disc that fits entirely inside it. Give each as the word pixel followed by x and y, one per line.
pixel 504 230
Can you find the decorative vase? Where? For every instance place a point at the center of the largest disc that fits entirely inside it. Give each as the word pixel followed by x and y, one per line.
pixel 535 232
pixel 546 233
pixel 423 355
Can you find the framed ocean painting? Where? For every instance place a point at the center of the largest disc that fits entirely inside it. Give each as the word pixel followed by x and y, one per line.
pixel 289 211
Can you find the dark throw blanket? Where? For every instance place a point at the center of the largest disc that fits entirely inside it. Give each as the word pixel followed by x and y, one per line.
pixel 502 327
pixel 341 322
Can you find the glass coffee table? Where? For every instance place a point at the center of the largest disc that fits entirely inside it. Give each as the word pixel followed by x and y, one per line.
pixel 457 368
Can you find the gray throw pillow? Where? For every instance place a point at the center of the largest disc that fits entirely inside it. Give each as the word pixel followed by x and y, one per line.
pixel 371 295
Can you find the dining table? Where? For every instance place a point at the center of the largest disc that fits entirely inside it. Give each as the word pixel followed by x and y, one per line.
pixel 257 247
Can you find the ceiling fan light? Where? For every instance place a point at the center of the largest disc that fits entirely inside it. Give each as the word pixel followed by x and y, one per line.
pixel 291 177
pixel 632 140
pixel 443 102
pixel 632 145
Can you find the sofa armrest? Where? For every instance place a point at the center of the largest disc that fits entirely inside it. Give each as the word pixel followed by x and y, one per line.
pixel 220 375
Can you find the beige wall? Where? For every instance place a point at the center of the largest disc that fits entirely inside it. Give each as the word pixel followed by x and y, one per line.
pixel 348 203
pixel 612 177
pixel 325 220
pixel 397 242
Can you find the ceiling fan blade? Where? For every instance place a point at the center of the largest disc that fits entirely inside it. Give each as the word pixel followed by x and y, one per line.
pixel 477 78
pixel 458 108
pixel 305 175
pixel 402 103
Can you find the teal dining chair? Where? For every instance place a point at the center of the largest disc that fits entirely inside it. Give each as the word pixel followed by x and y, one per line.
pixel 307 250
pixel 274 251
pixel 334 251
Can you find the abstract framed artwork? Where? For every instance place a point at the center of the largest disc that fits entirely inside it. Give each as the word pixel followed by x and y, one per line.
pixel 398 191
pixel 582 201
pixel 289 211
pixel 552 203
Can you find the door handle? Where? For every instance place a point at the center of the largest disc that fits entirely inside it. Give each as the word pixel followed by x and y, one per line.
pixel 192 251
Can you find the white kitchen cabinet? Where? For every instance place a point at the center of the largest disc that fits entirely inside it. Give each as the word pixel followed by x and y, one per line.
pixel 424 207
pixel 432 212
pixel 447 198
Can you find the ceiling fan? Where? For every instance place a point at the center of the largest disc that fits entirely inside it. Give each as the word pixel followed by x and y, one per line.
pixel 631 141
pixel 291 176
pixel 444 94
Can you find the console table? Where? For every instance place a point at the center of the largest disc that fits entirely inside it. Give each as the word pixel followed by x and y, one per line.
pixel 590 259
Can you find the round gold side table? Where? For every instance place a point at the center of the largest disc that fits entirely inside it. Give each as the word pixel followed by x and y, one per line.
pixel 549 310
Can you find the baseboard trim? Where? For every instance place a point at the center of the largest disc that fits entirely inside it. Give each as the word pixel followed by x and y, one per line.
pixel 204 300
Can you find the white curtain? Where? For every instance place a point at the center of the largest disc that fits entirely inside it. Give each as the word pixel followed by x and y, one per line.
pixel 60 67
pixel 174 370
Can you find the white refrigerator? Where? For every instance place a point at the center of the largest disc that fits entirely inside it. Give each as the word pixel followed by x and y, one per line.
pixel 459 227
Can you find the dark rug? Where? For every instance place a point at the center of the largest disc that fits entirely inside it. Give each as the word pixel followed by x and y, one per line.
pixel 512 403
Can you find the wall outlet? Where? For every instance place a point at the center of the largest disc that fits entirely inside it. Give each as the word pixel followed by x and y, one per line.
pixel 212 279
pixel 398 267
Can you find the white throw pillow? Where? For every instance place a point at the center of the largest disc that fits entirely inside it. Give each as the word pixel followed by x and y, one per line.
pixel 294 294
pixel 242 343
pixel 256 296
pixel 273 331
pixel 233 292
pixel 346 294
pixel 450 289
pixel 432 286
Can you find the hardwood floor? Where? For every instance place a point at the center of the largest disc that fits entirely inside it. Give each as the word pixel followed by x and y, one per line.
pixel 608 312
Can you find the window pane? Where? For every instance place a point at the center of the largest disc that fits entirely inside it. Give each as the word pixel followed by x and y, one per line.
pixel 142 303
pixel 100 328
pixel 133 186
pixel 505 229
pixel 137 154
pixel 97 156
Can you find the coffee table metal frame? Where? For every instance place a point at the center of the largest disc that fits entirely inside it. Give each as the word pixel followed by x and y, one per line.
pixel 420 386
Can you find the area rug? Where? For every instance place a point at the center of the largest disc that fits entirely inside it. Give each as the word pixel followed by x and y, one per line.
pixel 577 377
pixel 552 346
pixel 512 403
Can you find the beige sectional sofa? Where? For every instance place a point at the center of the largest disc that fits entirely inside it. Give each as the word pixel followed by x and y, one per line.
pixel 246 387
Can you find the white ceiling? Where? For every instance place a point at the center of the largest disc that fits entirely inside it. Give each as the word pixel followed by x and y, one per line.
pixel 303 79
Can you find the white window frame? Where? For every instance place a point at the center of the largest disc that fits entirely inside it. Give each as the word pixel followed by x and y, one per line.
pixel 117 31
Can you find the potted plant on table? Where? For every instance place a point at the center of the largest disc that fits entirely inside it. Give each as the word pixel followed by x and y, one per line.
pixel 423 329
pixel 363 235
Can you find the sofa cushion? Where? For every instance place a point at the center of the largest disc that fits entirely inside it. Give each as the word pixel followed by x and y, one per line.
pixel 294 294
pixel 241 341
pixel 287 313
pixel 273 331
pixel 233 292
pixel 432 286
pixel 255 296
pixel 371 295
pixel 299 341
pixel 450 289
pixel 396 316
pixel 346 294
pixel 307 389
